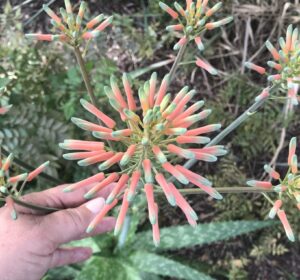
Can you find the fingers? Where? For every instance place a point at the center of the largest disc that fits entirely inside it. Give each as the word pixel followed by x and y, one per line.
pixel 71 224
pixel 66 256
pixel 55 197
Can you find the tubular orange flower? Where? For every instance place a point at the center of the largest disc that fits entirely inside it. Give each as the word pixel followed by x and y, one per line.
pixel 70 26
pixel 193 20
pixel 288 187
pixel 152 139
pixel 13 186
pixel 286 64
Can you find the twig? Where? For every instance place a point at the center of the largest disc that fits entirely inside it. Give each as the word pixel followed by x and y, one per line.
pixel 282 136
pixel 177 61
pixel 221 190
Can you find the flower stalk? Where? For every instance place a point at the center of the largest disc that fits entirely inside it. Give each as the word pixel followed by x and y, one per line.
pixel 85 75
pixel 235 124
pixel 231 190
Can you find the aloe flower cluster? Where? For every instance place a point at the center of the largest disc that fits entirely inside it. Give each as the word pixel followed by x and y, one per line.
pixel 192 21
pixel 286 63
pixel 69 26
pixel 288 188
pixel 12 186
pixel 152 140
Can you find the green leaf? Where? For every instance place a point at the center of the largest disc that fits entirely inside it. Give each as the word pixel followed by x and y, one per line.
pixel 159 265
pixel 61 273
pixel 87 242
pixel 99 268
pixel 178 237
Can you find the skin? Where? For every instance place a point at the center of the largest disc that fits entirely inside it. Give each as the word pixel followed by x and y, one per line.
pixel 32 244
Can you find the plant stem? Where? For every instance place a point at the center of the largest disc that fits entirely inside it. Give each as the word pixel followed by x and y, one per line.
pixel 282 135
pixel 85 75
pixel 87 82
pixel 233 126
pixel 42 209
pixel 221 190
pixel 177 61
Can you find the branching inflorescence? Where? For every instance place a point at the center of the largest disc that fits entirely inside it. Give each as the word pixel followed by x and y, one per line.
pixel 287 189
pixel 151 140
pixel 70 26
pixel 156 136
pixel 192 22
pixel 286 63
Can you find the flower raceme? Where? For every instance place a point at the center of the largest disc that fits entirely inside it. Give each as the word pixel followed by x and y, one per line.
pixel 192 21
pixel 153 139
pixel 9 186
pixel 286 63
pixel 288 187
pixel 70 26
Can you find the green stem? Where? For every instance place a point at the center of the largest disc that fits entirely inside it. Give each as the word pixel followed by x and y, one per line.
pixel 177 61
pixel 221 190
pixel 42 209
pixel 85 75
pixel 233 126
pixel 87 82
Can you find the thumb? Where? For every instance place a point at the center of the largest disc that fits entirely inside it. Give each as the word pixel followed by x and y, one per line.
pixel 71 224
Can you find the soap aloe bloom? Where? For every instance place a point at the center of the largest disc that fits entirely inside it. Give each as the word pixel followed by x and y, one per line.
pixel 69 26
pixel 192 20
pixel 152 140
pixel 11 186
pixel 285 65
pixel 288 188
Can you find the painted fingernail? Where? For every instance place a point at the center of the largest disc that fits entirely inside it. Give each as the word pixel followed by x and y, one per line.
pixel 95 205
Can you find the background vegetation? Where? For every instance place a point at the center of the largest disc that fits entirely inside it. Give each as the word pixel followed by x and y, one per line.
pixel 44 85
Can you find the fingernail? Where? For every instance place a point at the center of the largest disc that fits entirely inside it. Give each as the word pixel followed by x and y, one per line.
pixel 95 205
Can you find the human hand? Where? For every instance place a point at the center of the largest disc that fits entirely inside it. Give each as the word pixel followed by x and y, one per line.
pixel 31 244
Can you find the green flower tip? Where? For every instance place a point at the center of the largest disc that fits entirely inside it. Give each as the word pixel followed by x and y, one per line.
pixel 251 183
pixel 88 196
pixel 14 215
pixel 217 195
pixel 89 229
pixel 67 190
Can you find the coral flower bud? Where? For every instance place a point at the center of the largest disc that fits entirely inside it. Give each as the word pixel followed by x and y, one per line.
pixel 275 208
pixel 101 215
pixel 151 203
pixel 256 68
pixel 135 178
pixel 160 179
pixel 117 189
pixel 37 171
pixel 94 21
pixel 147 170
pixel 260 184
pixel 169 10
pixel 206 66
pixel 275 175
pixel 122 214
pixel 113 177
pixel 94 179
pixel 288 230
